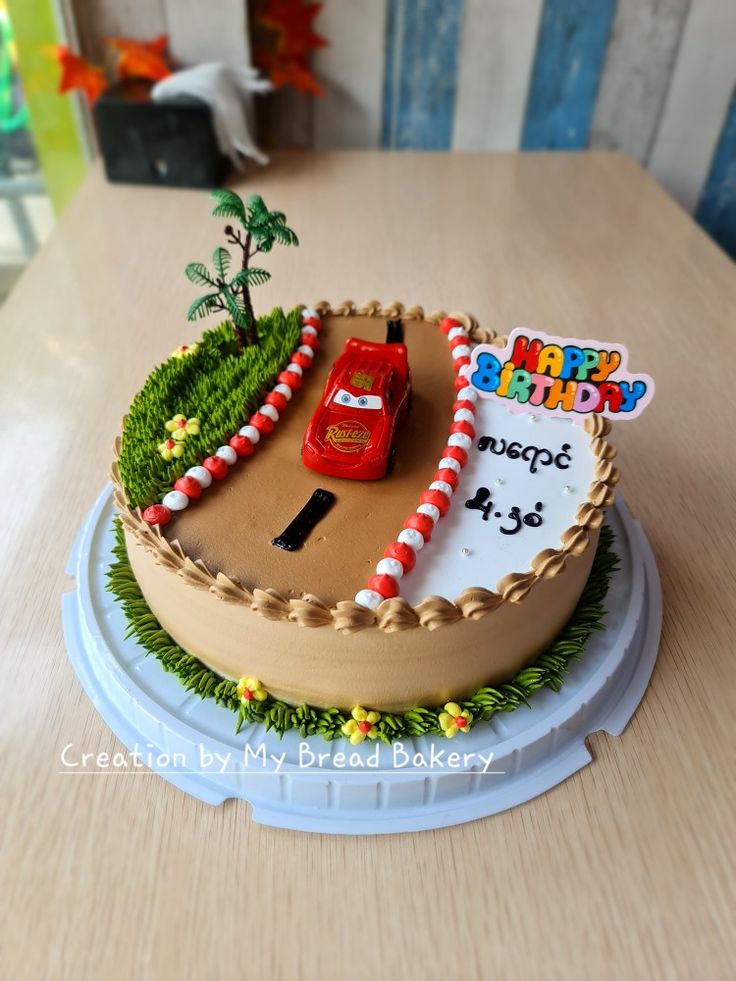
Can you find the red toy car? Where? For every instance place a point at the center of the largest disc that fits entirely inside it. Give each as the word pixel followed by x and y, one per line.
pixel 367 395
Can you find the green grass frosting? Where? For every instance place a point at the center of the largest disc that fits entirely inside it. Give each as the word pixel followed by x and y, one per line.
pixel 216 385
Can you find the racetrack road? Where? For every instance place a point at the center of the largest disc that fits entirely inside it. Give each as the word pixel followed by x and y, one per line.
pixel 231 527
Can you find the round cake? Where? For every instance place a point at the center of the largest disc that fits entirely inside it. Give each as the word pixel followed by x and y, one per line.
pixel 452 572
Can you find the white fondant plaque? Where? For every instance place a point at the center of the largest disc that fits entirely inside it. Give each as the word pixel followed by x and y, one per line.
pixel 525 478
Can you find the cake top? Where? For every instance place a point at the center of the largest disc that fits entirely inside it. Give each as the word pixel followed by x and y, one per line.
pixel 225 538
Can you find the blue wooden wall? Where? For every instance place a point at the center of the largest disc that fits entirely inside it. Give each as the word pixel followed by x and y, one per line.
pixel 571 48
pixel 420 73
pixel 717 209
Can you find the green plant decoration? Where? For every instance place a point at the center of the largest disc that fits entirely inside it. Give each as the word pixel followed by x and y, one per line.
pixel 261 230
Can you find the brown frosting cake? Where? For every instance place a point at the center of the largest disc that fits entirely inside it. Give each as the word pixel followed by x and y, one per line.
pixel 508 525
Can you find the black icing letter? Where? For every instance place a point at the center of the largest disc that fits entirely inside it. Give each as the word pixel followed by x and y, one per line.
pixel 564 454
pixel 533 453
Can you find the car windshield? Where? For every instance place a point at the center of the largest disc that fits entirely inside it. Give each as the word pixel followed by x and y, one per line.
pixel 346 400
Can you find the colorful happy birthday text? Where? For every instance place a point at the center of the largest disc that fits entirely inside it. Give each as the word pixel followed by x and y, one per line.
pixel 560 376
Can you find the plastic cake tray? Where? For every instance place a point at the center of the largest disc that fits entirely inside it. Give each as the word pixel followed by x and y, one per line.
pixel 313 785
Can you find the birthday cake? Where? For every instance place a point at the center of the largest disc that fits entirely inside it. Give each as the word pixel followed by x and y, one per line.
pixel 366 522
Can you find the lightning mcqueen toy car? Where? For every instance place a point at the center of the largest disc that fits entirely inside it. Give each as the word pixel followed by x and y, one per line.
pixel 366 397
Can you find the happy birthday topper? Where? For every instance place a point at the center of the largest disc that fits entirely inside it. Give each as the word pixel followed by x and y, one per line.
pixel 560 376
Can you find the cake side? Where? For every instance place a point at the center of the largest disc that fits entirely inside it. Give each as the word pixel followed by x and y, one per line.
pixel 386 670
pixel 254 704
pixel 353 452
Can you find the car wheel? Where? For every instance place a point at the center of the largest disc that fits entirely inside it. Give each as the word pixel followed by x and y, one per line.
pixel 391 460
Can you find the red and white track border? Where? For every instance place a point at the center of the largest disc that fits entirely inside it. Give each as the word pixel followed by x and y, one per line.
pixel 400 556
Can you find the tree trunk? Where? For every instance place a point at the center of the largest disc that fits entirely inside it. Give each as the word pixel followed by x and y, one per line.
pixel 251 336
pixel 239 337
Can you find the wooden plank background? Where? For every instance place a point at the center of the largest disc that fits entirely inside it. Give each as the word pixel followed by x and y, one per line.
pixel 697 101
pixel 653 78
pixel 570 49
pixel 496 57
pixel 422 47
pixel 349 114
pixel 642 49
pixel 715 210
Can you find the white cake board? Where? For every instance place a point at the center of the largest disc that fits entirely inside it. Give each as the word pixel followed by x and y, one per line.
pixel 534 749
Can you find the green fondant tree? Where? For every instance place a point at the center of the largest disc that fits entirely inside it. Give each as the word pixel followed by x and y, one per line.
pixel 260 229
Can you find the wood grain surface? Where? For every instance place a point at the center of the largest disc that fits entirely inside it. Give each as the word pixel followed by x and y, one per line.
pixel 624 871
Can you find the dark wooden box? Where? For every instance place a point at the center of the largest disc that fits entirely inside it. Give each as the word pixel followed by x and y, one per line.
pixel 170 143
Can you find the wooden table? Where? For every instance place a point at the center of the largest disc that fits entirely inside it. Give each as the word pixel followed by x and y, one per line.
pixel 626 869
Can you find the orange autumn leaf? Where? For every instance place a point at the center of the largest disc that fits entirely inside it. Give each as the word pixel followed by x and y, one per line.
pixel 141 59
pixel 290 37
pixel 76 73
pixel 292 21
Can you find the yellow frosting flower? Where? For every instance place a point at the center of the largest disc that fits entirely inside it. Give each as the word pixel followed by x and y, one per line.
pixel 180 427
pixel 454 720
pixel 184 350
pixel 170 450
pixel 361 726
pixel 250 689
